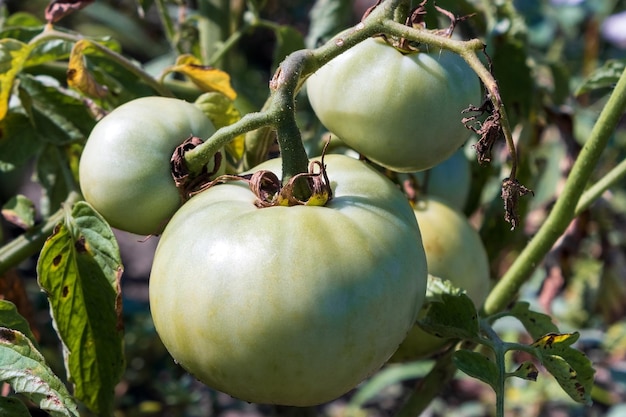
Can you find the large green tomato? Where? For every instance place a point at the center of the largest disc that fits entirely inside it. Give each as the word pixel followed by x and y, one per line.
pixel 455 252
pixel 125 169
pixel 289 305
pixel 400 111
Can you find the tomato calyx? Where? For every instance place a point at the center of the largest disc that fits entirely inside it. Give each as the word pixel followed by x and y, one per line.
pixel 264 184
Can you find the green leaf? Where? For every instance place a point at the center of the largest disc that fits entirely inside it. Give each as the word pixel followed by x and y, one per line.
pixel 80 268
pixel 25 369
pixel 13 54
pixel 604 77
pixel 477 366
pixel 49 173
pixel 537 324
pixel 20 211
pixel 288 40
pixel 390 375
pixel 327 18
pixel 19 141
pixel 13 407
pixel 455 316
pixel 11 319
pixel 59 116
pixel 570 367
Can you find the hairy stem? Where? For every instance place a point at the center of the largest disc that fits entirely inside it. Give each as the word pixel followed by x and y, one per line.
pixel 566 206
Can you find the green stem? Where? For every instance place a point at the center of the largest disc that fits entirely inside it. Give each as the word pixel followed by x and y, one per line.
pixel 48 35
pixel 32 241
pixel 214 28
pixel 566 205
pixel 168 25
pixel 598 188
pixel 499 349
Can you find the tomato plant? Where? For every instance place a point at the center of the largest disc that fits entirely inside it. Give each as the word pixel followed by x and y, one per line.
pixel 284 305
pixel 402 111
pixel 125 167
pixel 454 252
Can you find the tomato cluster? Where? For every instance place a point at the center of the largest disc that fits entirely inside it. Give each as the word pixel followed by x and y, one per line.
pixel 295 305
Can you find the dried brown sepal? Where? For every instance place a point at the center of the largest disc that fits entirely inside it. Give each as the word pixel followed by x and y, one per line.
pixel 189 185
pixel 266 186
pixel 58 9
pixel 512 190
pixel 489 130
pixel 370 9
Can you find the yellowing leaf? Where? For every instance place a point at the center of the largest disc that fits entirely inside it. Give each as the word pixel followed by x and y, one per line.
pixel 205 77
pixel 222 112
pixel 555 340
pixel 13 54
pixel 79 77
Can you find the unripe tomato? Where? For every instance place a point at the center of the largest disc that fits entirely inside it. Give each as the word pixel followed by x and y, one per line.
pixel 289 305
pixel 455 252
pixel 449 180
pixel 125 167
pixel 402 111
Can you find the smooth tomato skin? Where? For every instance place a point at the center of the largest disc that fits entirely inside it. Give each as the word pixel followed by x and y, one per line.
pixel 449 180
pixel 125 169
pixel 454 251
pixel 400 111
pixel 289 305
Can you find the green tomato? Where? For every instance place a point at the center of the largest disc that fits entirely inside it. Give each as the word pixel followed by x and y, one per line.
pixel 289 305
pixel 402 111
pixel 125 169
pixel 449 180
pixel 455 252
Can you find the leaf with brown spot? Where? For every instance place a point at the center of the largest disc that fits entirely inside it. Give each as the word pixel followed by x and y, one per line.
pixel 205 77
pixel 78 75
pixel 24 368
pixel 20 211
pixel 80 269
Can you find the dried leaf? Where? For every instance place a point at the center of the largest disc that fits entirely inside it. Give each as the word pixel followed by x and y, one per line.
pixel 58 9
pixel 78 75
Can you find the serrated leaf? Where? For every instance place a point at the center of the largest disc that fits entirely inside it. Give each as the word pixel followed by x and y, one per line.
pixel 455 316
pixel 526 370
pixel 20 211
pixel 11 319
pixel 604 77
pixel 537 324
pixel 80 268
pixel 327 18
pixel 288 40
pixel 13 54
pixel 205 77
pixel 387 377
pixel 18 141
pixel 58 115
pixel 78 75
pixel 13 407
pixel 477 366
pixel 25 369
pixel 570 367
pixel 222 112
pixel 437 286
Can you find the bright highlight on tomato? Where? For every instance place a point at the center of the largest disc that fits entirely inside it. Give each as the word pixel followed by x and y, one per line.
pixel 125 166
pixel 400 111
pixel 455 252
pixel 289 305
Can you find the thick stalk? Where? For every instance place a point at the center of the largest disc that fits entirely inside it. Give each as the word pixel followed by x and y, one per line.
pixel 565 208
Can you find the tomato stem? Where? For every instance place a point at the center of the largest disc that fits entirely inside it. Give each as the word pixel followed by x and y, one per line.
pixel 566 206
